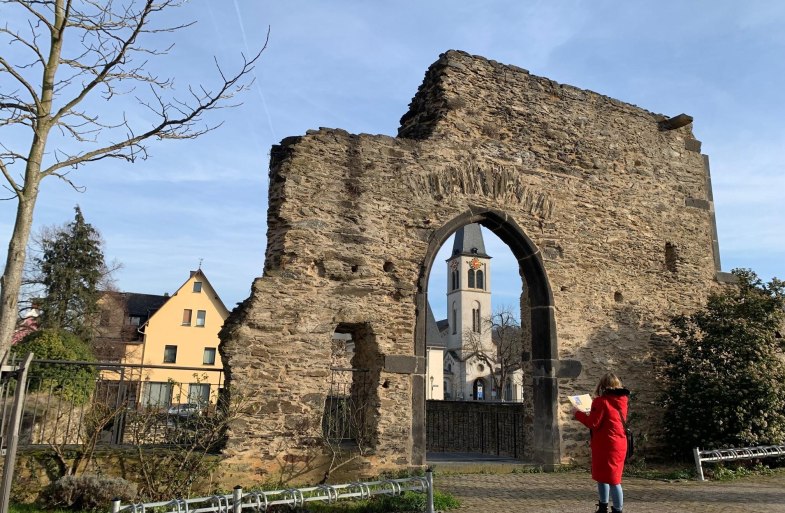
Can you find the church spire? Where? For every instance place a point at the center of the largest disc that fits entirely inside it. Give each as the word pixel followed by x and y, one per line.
pixel 469 242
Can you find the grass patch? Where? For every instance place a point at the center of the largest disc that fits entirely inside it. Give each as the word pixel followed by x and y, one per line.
pixel 32 508
pixel 408 502
pixel 723 473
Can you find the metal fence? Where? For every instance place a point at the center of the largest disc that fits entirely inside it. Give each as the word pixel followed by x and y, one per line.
pixel 346 407
pixel 72 403
pixel 475 427
pixel 741 453
pixel 261 501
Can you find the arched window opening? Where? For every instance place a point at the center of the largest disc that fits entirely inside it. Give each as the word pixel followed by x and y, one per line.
pixel 478 389
pixel 454 319
pixel 447 390
pixel 480 280
pixel 455 280
pixel 476 319
pixel 508 391
pixel 471 279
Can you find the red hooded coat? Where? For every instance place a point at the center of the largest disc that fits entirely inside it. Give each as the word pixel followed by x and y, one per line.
pixel 608 441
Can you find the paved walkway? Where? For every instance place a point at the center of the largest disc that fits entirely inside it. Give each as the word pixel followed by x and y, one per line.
pixel 575 492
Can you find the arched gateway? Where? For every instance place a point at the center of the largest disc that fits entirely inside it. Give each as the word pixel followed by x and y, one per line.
pixel 607 208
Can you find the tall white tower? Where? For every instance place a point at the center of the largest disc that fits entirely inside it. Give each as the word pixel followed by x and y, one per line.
pixel 468 303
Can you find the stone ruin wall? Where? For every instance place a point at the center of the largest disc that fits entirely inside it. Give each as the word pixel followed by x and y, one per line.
pixel 620 210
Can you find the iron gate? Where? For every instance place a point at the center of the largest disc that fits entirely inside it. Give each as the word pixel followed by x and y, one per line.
pixel 475 427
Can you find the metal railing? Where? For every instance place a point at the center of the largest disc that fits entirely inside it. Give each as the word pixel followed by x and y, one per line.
pixel 475 427
pixel 112 402
pixel 743 453
pixel 347 403
pixel 261 501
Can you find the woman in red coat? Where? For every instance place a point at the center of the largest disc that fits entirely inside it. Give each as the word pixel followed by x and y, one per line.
pixel 608 440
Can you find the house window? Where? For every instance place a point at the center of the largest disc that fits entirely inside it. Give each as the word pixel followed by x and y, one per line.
pixel 134 320
pixel 197 286
pixel 170 354
pixel 200 315
pixel 157 394
pixel 209 356
pixel 187 317
pixel 471 279
pixel 199 393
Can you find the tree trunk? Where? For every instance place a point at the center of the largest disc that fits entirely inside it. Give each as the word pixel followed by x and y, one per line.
pixel 14 268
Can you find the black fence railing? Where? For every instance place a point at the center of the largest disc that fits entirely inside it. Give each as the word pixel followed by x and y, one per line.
pixel 475 427
pixel 73 403
pixel 346 405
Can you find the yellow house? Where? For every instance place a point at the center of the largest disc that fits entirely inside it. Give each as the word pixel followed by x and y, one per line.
pixel 178 353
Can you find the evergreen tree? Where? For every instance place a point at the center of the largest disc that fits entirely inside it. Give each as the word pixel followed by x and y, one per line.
pixel 726 374
pixel 71 267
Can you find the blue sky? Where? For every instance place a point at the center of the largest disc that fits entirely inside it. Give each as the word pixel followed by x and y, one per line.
pixel 356 65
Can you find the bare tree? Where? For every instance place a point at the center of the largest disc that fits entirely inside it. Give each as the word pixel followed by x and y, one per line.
pixel 69 55
pixel 504 355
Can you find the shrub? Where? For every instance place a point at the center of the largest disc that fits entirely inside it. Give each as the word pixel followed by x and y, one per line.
pixel 73 383
pixel 726 373
pixel 86 493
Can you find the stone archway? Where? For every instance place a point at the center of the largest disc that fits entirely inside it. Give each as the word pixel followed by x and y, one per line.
pixel 543 435
pixel 612 199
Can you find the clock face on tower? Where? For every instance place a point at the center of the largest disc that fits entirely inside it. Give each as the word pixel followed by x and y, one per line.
pixel 474 263
pixel 454 265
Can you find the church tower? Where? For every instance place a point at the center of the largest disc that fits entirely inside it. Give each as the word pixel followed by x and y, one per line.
pixel 468 303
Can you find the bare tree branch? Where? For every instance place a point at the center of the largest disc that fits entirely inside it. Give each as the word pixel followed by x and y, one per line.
pixel 19 78
pixel 82 51
pixel 498 345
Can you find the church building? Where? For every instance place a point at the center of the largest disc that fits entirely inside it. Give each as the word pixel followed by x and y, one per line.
pixel 462 351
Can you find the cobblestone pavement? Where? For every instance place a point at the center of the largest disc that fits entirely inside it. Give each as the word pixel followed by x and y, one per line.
pixel 575 492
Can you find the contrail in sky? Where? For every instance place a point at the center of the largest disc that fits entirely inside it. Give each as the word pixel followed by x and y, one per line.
pixel 256 79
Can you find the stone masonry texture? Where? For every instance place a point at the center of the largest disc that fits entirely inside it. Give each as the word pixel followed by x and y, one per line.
pixel 610 215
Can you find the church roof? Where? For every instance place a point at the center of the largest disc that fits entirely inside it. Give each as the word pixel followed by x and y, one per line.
pixel 468 241
pixel 433 335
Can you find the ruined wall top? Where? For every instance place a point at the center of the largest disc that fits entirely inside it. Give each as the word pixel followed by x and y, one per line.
pixel 458 86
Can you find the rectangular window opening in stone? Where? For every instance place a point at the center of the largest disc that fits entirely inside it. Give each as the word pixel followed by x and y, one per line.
pixel 671 257
pixel 350 410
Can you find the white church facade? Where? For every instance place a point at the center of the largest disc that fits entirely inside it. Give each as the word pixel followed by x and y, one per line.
pixel 461 350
